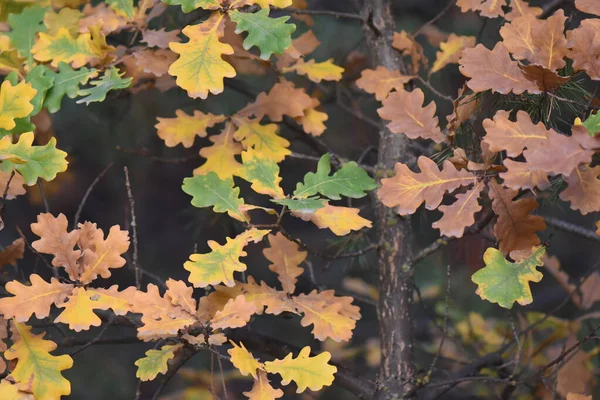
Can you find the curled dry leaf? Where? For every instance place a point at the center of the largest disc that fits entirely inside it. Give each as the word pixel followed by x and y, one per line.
pixel 407 45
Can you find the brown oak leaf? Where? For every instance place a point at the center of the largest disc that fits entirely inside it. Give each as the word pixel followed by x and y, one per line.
pixel 461 214
pixel 513 137
pixel 283 99
pixel 583 189
pixel 381 81
pixel 285 257
pixel 519 176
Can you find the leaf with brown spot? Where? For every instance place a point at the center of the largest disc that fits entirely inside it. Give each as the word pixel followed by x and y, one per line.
pixel 408 116
pixel 515 227
pixel 494 70
pixel 285 257
pixel 407 190
pixel 381 81
pixel 461 214
pixel 519 176
pixel 583 189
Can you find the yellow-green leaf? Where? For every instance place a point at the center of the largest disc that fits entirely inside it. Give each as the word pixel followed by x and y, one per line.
pixel 262 173
pixel 155 362
pixel 243 360
pixel 76 51
pixel 263 138
pixel 184 128
pixel 15 102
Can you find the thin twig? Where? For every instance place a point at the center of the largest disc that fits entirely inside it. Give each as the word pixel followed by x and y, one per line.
pixel 88 192
pixel 43 194
pixel 37 253
pixel 433 90
pixel 434 19
pixel 136 267
pixel 3 201
pixel 329 13
pixel 572 228
pixel 93 341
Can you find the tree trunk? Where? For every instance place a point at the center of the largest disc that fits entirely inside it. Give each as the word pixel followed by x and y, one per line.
pixel 397 369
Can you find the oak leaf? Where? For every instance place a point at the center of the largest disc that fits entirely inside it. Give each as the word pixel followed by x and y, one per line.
pixel 409 47
pixel 487 8
pixel 35 366
pixel 307 372
pixel 67 81
pixel 285 257
pixel 515 228
pixel 183 128
pixel 265 298
pixel 155 61
pixel 283 99
pixel 494 70
pixel 451 50
pixel 243 360
pixel 407 115
pixel 262 138
pixel 163 328
pixel 180 295
pixel 317 71
pixel 220 157
pixel 190 5
pixel 513 137
pixel 156 362
pixel 15 102
pixel 211 191
pixel 461 214
pixel 408 190
pixel 583 189
pixel 301 46
pixel 160 38
pixel 200 68
pixel 219 265
pixel 65 18
pixel 100 255
pixel 588 6
pixel 545 79
pixel 340 220
pixel 503 282
pixel 519 176
pixel 519 8
pixel 64 47
pixel 262 389
pixel 103 16
pixel 262 173
pixel 381 81
pixel 236 313
pixel 584 47
pixel 112 79
pixel 313 120
pixel 79 310
pixel 12 253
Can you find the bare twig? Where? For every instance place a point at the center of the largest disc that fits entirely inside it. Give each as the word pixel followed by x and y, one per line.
pixel 43 194
pixel 88 192
pixel 329 13
pixel 572 228
pixel 136 266
pixel 434 19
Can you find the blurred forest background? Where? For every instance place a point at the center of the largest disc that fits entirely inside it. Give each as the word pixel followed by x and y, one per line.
pixel 121 131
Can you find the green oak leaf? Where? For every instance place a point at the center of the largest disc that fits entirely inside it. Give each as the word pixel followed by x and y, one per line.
pixel 211 191
pixel 190 5
pixel 592 124
pixel 270 35
pixel 66 82
pixel 24 26
pixel 350 181
pixel 32 162
pixel 42 79
pixel 309 205
pixel 123 7
pixel 504 282
pixel 111 80
pixel 155 362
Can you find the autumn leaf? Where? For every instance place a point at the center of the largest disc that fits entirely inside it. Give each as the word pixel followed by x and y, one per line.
pixel 306 206
pixel 270 35
pixel 263 3
pixel 32 162
pixel 265 298
pixel 236 314
pixel 340 220
pixel 160 38
pixel 200 68
pixel 503 282
pixel 15 102
pixel 301 46
pixel 220 157
pixel 155 61
pixel 219 265
pixel 243 360
pixel 460 214
pixel 99 254
pixel 122 7
pixel 190 5
pixel 408 190
pixel 56 240
pixel 541 42
pixel 317 71
pixel 12 184
pixel 409 47
pixel 262 389
pixel 381 81
pixel 183 128
pixel 111 80
pixel 262 138
pixel 519 176
pixel 519 8
pixel 487 8
pixel 408 116
pixel 451 50
pixel 12 253
pixel 67 81
pixel 515 228
pixel 283 99
pixel 307 372
pixel 583 189
pixel 591 124
pixel 350 181
pixel 79 309
pixel 156 362
pixel 211 191
pixel 181 295
pixel 35 366
pixel 65 18
pixel 262 173
pixel 502 134
pixel 64 47
pixel 494 70
pixel 588 6
pixel 285 257
pixel 34 299
pixel 24 27
pixel 313 120
pixel 545 79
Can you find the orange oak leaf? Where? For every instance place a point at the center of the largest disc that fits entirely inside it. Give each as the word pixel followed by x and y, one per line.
pixel 103 16
pixel 409 47
pixel 541 42
pixel 14 184
pixel 487 8
pixel 155 61
pixel 340 220
pixel 519 8
pixel 181 295
pixel 407 190
pixel 215 301
pixel 494 70
pixel 519 176
pixel 381 81
pixel 464 107
pixel 220 157
pixel 12 253
pixel 265 298
pixel 515 228
pixel 333 317
pixel 160 38
pixel 55 240
pixel 184 128
pixel 151 304
pixel 285 257
pixel 34 299
pixel 236 313
pixel 461 214
pixel 584 47
pixel 163 328
pixel 313 120
pixel 583 189
pixel 302 46
pixel 408 116
pixel 513 137
pixel 100 255
pixel 283 99
pixel 451 50
pixel 588 6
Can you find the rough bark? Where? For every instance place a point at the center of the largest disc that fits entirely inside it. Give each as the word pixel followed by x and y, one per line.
pixel 397 369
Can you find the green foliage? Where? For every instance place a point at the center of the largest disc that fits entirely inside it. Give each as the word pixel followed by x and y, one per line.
pixel 211 191
pixel 24 27
pixel 66 82
pixel 111 80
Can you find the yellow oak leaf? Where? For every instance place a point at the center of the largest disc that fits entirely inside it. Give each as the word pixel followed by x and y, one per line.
pixel 313 120
pixel 99 254
pixel 12 392
pixel 184 128
pixel 340 220
pixel 451 50
pixel 66 18
pixel 220 157
pixel 236 313
pixel 15 102
pixel 262 138
pixel 65 47
pixel 285 257
pixel 200 68
pixel 263 173
pixel 35 366
pixel 243 360
pixel 307 372
pixel 317 71
pixel 34 299
pixel 219 265
pixel 262 389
